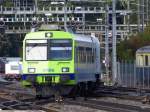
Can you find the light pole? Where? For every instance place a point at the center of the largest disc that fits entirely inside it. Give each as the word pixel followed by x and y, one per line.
pixel 138 16
pixel 143 14
pixel 107 42
pixel 114 60
pixel 65 15
pixel 36 6
pixel 128 16
pixel 147 11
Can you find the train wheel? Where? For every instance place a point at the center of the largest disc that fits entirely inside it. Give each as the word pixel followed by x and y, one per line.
pixel 91 88
pixel 97 76
pixel 58 97
pixel 86 91
pixel 74 92
pixel 57 93
pixel 83 87
pixel 38 97
pixel 38 92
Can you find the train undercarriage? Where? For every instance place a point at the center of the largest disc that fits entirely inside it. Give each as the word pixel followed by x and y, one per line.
pixel 58 91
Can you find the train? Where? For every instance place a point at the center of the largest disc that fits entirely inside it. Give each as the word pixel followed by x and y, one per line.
pixel 10 68
pixel 60 62
pixel 143 66
pixel 143 56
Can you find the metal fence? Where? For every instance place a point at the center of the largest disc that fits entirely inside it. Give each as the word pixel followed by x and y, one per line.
pixel 129 75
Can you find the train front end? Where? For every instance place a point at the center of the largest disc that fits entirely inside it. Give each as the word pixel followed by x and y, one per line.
pixel 48 58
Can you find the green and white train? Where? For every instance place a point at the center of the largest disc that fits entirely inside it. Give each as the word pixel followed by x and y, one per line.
pixel 61 60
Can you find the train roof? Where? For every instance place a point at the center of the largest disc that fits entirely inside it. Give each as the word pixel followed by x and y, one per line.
pixel 77 37
pixel 145 49
pixel 84 38
pixel 41 35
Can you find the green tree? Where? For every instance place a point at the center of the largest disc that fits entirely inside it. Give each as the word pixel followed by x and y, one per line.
pixel 7 3
pixel 126 49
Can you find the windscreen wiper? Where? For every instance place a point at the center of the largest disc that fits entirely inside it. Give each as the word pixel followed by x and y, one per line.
pixel 32 47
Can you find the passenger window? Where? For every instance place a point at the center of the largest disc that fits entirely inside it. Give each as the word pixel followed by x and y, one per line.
pixel 84 55
pixel 93 53
pixel 81 54
pixel 89 55
pixel 140 60
pixel 146 60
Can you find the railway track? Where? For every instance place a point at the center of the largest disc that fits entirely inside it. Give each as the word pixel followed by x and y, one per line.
pixel 26 104
pixel 35 104
pixel 124 89
pixel 123 93
pixel 12 98
pixel 107 106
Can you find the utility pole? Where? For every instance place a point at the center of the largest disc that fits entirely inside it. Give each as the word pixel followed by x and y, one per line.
pixel 138 15
pixel 147 11
pixel 128 16
pixel 65 15
pixel 36 6
pixel 83 21
pixel 143 5
pixel 107 41
pixel 142 14
pixel 114 60
pixel 25 18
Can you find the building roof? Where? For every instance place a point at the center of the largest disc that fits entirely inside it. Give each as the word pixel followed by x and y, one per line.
pixel 145 49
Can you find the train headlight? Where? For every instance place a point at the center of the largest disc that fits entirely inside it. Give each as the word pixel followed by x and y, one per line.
pixel 31 70
pixel 65 69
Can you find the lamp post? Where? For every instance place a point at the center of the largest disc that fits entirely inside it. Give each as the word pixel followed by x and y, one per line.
pixel 107 42
pixel 114 60
pixel 65 15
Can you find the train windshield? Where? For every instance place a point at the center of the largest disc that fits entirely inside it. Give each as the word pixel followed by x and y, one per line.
pixel 36 50
pixel 60 49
